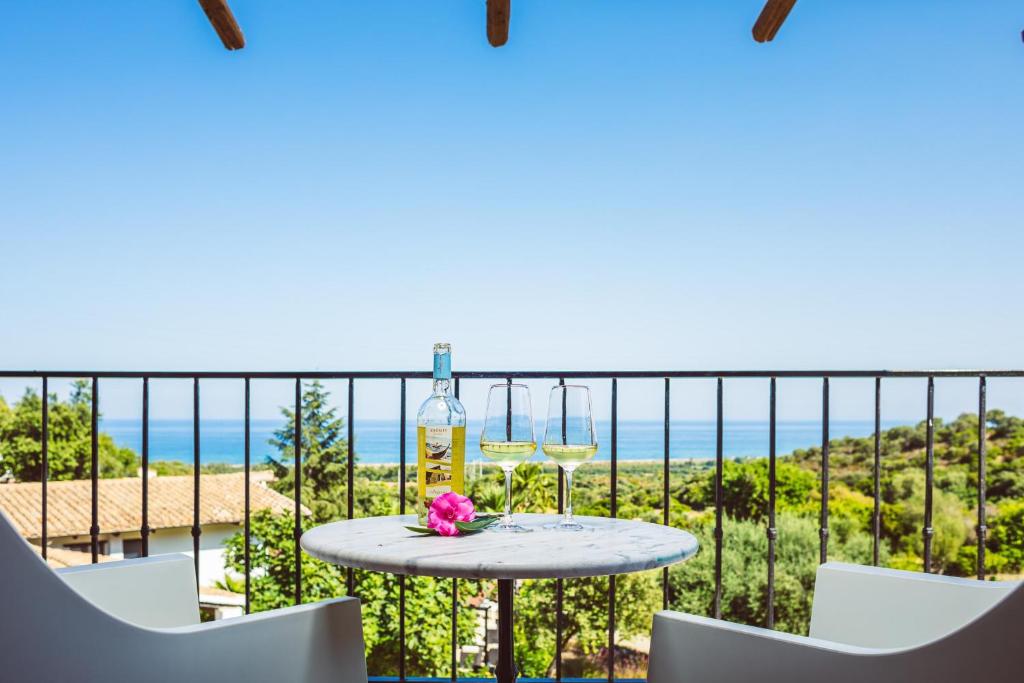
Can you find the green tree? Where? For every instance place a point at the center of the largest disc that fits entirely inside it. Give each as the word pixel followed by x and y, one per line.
pixel 325 455
pixel 1007 534
pixel 585 619
pixel 5 412
pixel 428 600
pixel 903 521
pixel 745 487
pixel 70 439
pixel 534 489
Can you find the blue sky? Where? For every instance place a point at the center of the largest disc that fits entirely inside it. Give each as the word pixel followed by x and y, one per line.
pixel 625 184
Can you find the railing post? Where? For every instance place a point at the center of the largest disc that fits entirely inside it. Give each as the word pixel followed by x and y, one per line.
pixel 559 583
pixel 144 529
pixel 928 532
pixel 401 450
pixel 558 468
pixel 350 579
pixel 614 513
pixel 772 531
pixel 297 532
pixel 145 467
pixel 401 510
pixel 248 529
pixel 94 474
pixel 508 408
pixel 196 528
pixel 823 531
pixel 719 464
pixel 666 491
pixel 982 425
pixel 44 474
pixel 876 515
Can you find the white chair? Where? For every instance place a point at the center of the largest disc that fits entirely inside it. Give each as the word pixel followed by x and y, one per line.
pixel 138 620
pixel 867 624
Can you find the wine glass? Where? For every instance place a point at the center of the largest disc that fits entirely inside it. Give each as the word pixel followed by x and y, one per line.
pixel 508 439
pixel 569 439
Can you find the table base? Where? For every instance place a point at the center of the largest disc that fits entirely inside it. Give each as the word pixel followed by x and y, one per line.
pixel 506 671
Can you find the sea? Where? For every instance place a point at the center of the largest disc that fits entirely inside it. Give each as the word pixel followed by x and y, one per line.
pixel 378 441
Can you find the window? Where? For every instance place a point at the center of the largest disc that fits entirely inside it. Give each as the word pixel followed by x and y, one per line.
pixel 132 547
pixel 103 547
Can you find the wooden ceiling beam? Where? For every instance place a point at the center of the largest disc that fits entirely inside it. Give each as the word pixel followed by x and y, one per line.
pixel 499 13
pixel 771 19
pixel 223 20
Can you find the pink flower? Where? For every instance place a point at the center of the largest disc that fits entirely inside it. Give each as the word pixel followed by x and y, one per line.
pixel 447 509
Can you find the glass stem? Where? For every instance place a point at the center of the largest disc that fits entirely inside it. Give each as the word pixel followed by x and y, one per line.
pixel 507 521
pixel 568 497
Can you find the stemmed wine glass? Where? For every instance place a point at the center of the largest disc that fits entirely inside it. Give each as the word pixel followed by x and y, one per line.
pixel 508 439
pixel 569 439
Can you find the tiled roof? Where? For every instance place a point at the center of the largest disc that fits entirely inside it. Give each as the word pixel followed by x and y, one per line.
pixel 69 503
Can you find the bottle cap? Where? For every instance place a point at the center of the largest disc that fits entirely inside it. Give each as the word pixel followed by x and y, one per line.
pixel 442 361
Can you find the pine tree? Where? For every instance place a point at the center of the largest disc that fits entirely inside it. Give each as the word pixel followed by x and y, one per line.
pixel 325 455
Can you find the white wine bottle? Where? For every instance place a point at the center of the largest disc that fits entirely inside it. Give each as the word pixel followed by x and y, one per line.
pixel 440 438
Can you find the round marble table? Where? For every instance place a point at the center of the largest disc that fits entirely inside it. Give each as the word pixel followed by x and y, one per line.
pixel 606 547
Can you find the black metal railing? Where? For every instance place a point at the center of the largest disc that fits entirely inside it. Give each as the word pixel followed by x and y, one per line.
pixel 561 376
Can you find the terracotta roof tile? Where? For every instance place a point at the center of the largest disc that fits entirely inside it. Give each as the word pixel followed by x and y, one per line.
pixel 221 501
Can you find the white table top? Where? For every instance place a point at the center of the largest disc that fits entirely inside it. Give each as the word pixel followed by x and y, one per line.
pixel 610 546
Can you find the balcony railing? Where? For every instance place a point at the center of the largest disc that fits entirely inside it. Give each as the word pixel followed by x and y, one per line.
pixel 614 376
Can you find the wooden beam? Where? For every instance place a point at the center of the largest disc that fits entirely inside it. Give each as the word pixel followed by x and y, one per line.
pixel 498 14
pixel 220 15
pixel 772 17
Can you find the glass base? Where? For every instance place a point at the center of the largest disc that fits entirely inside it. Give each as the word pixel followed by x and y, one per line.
pixel 566 526
pixel 509 528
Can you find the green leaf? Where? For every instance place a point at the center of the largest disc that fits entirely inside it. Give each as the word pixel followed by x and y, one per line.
pixel 476 525
pixel 422 530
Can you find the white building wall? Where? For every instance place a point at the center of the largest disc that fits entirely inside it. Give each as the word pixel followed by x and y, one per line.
pixel 211 548
pixel 176 540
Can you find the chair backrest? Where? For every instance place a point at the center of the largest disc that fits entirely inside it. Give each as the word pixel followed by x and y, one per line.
pixel 887 608
pixel 156 592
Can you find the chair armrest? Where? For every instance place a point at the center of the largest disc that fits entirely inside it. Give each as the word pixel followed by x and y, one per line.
pixel 317 642
pixel 685 647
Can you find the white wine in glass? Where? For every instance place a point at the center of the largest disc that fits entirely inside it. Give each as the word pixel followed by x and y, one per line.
pixel 508 453
pixel 508 439
pixel 569 439
pixel 569 456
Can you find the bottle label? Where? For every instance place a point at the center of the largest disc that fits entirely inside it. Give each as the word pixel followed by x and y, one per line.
pixel 438 460
pixel 441 454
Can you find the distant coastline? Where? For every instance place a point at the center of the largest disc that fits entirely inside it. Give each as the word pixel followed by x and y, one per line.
pixel 377 441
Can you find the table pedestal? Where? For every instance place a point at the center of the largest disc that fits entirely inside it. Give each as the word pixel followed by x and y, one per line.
pixel 506 671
